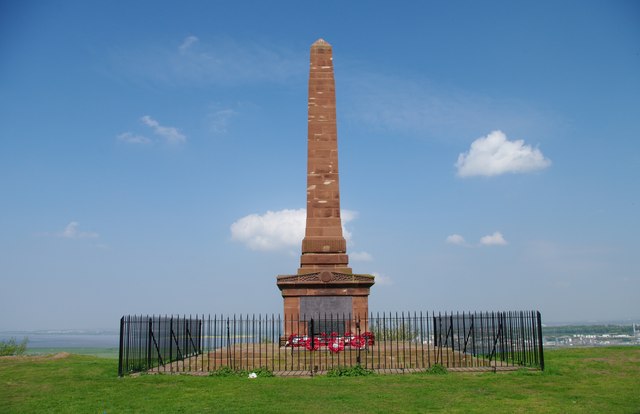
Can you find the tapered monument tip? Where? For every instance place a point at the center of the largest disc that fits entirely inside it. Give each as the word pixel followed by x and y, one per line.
pixel 320 42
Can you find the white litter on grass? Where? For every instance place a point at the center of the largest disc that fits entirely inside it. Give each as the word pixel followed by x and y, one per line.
pixel 253 375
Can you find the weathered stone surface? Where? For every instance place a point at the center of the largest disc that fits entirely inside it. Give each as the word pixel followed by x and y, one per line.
pixel 324 245
pixel 324 283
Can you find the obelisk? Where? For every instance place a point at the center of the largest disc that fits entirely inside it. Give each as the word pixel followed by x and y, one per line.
pixel 323 246
pixel 324 287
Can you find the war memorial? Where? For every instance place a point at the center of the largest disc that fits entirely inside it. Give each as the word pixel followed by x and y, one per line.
pixel 324 283
pixel 326 321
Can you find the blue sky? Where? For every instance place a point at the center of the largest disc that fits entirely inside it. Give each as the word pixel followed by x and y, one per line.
pixel 152 155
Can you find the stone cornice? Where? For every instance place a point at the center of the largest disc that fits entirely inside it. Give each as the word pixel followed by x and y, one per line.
pixel 325 278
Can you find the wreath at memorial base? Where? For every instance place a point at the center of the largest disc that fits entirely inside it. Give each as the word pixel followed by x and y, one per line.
pixel 312 345
pixel 333 342
pixel 336 345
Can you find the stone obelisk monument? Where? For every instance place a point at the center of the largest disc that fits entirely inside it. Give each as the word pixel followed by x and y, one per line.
pixel 324 283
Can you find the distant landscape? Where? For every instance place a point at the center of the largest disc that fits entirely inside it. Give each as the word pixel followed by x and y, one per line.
pixel 106 342
pixel 591 335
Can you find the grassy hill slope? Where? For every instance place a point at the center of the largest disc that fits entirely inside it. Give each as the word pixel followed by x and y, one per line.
pixel 603 380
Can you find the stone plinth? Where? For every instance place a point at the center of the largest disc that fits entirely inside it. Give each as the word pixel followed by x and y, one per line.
pixel 314 295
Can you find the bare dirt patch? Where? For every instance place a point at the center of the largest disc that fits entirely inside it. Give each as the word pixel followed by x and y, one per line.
pixel 59 355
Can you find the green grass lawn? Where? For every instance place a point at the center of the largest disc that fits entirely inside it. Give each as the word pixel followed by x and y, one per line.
pixel 98 352
pixel 601 380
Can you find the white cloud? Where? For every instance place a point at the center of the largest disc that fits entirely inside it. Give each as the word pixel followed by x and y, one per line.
pixel 495 155
pixel 277 230
pixel 495 239
pixel 170 134
pixel 72 232
pixel 382 280
pixel 187 43
pixel 360 256
pixel 456 239
pixel 131 138
pixel 271 231
pixel 219 120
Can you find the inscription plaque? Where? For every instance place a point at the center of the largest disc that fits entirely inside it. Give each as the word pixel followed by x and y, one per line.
pixel 319 306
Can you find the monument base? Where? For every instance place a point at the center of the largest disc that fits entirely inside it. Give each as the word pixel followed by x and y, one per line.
pixel 327 297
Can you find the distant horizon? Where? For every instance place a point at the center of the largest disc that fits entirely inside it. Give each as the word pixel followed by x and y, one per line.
pixel 110 331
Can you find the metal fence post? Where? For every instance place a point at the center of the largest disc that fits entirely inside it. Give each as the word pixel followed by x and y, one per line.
pixel 149 334
pixel 539 320
pixel 121 349
pixel 312 339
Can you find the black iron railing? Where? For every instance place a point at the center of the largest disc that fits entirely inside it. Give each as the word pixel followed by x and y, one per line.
pixel 398 342
pixel 154 341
